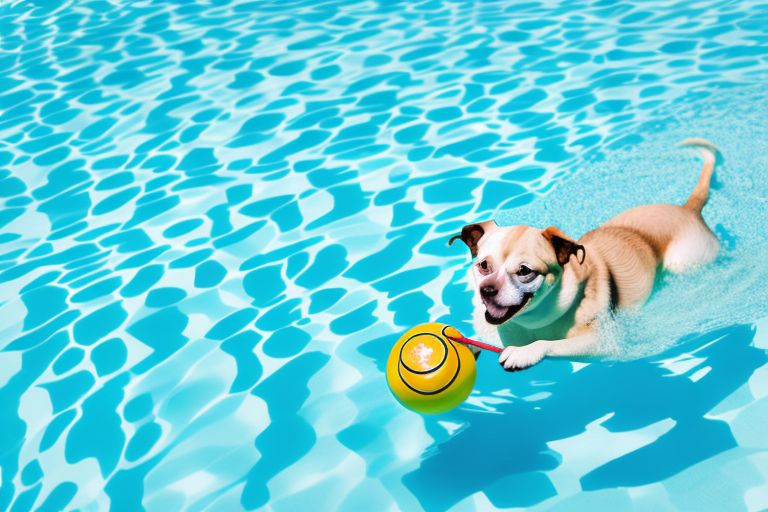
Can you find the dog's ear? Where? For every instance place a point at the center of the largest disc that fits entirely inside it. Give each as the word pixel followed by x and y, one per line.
pixel 472 233
pixel 564 245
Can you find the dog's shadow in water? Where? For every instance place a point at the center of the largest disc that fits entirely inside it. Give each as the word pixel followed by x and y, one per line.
pixel 506 455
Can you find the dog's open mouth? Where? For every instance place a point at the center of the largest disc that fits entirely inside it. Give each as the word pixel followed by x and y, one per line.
pixel 497 314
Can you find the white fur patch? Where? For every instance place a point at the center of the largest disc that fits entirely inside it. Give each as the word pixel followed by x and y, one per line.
pixel 509 295
pixel 694 247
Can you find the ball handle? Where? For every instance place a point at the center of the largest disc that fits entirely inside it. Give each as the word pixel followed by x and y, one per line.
pixel 480 344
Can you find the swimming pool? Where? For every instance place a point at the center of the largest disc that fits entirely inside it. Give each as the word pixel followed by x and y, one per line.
pixel 218 217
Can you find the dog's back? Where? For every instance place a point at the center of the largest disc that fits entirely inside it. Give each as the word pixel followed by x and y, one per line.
pixel 633 244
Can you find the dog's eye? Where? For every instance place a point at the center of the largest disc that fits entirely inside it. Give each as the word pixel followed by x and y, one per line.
pixel 526 274
pixel 484 267
pixel 524 271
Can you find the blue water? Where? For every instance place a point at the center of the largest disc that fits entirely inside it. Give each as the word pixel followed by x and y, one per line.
pixel 217 218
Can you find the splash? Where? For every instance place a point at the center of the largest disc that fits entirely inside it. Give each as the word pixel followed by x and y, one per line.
pixel 731 290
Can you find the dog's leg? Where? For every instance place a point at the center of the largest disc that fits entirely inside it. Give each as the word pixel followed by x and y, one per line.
pixel 520 358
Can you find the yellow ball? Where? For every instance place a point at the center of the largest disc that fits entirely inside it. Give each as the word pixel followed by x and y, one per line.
pixel 429 373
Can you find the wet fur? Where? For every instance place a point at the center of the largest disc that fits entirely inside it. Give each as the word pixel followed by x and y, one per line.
pixel 612 266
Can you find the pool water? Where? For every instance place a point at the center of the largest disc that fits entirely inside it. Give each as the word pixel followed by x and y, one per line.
pixel 217 218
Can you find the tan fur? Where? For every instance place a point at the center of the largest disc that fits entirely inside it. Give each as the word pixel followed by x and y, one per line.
pixel 612 266
pixel 510 241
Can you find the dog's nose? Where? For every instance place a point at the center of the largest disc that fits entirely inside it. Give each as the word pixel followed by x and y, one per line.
pixel 488 291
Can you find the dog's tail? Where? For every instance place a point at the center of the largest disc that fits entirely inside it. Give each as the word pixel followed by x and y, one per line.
pixel 700 194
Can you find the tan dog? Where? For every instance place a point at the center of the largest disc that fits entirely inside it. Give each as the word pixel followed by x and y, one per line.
pixel 542 294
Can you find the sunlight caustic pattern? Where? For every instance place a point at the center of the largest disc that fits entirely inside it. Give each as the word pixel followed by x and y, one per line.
pixel 216 218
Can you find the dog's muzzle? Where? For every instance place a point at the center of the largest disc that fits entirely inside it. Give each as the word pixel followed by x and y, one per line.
pixel 497 314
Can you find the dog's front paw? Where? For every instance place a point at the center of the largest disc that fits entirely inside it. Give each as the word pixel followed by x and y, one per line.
pixel 520 358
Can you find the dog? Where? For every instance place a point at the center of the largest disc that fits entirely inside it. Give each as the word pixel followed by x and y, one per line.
pixel 543 294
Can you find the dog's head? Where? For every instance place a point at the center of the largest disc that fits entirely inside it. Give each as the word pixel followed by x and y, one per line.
pixel 515 267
